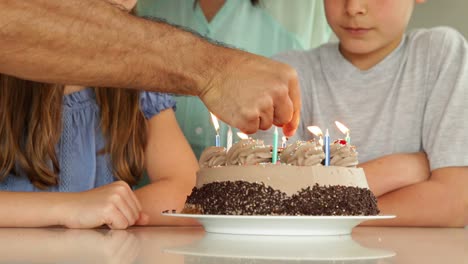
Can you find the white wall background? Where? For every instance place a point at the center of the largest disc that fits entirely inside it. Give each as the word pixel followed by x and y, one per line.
pixel 452 13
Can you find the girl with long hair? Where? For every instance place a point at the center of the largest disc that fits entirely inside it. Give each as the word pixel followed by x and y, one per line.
pixel 70 154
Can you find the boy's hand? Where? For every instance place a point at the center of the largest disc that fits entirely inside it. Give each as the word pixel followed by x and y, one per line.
pixel 114 205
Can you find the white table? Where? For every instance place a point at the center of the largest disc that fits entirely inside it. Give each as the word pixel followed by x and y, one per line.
pixel 192 245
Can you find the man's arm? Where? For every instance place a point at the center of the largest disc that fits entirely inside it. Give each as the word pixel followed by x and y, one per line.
pixel 89 42
pixel 441 201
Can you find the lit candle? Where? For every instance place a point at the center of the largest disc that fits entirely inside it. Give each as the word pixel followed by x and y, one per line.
pixel 216 126
pixel 242 135
pixel 274 157
pixel 327 148
pixel 229 138
pixel 317 132
pixel 344 130
pixel 283 141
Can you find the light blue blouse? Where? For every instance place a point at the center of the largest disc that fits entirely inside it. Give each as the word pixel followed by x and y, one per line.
pixel 81 168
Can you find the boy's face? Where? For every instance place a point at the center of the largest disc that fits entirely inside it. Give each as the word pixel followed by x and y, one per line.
pixel 365 26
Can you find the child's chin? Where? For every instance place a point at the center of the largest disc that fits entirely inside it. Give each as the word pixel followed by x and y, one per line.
pixel 359 46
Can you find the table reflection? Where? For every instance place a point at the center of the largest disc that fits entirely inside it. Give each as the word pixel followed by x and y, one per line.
pixel 222 248
pixel 23 245
pixel 185 245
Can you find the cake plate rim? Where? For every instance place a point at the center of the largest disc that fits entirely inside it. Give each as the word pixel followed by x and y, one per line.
pixel 284 225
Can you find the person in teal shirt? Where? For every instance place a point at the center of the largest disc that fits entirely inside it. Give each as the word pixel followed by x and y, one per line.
pixel 261 27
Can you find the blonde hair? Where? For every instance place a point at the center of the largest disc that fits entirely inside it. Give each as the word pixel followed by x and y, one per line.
pixel 29 130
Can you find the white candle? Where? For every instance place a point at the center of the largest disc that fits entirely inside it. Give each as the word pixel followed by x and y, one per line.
pixel 344 130
pixel 317 132
pixel 242 135
pixel 283 141
pixel 229 138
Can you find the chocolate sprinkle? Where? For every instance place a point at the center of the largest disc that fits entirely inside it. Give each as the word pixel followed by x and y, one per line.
pixel 237 198
pixel 244 198
pixel 332 200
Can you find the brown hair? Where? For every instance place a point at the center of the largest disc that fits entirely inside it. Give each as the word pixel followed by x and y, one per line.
pixel 29 130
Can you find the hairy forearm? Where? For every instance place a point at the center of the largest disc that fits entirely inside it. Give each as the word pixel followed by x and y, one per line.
pixel 89 42
pixel 35 209
pixel 396 171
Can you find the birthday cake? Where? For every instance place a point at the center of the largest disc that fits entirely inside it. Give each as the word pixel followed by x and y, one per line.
pixel 243 181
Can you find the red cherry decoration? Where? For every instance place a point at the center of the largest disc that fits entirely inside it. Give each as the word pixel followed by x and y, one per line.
pixel 341 142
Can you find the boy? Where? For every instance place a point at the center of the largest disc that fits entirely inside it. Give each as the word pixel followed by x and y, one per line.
pixel 404 99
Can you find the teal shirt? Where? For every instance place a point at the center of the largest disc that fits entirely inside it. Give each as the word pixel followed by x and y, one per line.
pixel 266 30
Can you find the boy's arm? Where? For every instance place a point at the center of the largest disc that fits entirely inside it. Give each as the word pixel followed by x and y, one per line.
pixel 441 201
pixel 392 172
pixel 171 167
pixel 93 43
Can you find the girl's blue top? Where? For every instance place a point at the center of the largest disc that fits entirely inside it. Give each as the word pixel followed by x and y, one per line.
pixel 81 167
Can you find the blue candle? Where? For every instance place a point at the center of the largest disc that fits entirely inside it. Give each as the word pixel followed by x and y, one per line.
pixel 216 127
pixel 217 142
pixel 274 156
pixel 327 148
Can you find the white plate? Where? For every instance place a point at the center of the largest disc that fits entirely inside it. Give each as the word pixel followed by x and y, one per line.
pixel 222 249
pixel 280 225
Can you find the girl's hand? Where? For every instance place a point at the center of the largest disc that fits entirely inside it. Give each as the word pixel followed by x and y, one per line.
pixel 114 205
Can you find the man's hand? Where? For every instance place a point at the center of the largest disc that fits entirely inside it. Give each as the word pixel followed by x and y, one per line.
pixel 251 92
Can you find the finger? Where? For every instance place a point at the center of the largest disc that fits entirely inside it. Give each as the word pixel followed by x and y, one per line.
pixel 266 110
pixel 295 95
pixel 115 219
pixel 250 123
pixel 121 201
pixel 283 108
pixel 283 111
pixel 131 213
pixel 143 219
pixel 134 202
pixel 266 119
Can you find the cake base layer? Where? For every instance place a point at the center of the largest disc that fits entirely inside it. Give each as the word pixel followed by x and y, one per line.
pixel 246 198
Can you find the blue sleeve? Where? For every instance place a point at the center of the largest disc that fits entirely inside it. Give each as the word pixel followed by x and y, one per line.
pixel 152 103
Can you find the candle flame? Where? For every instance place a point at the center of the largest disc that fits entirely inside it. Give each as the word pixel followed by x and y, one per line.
pixel 342 127
pixel 215 122
pixel 242 135
pixel 315 130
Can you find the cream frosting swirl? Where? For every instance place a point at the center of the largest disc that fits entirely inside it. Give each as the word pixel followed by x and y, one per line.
pixel 343 154
pixel 303 153
pixel 213 157
pixel 248 152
